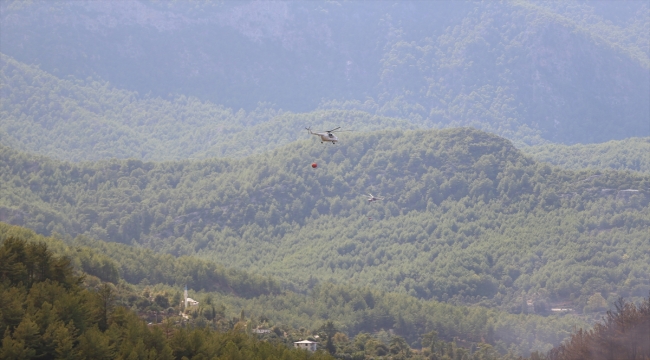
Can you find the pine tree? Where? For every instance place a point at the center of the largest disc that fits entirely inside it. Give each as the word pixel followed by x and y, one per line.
pixel 95 345
pixel 330 330
pixel 105 302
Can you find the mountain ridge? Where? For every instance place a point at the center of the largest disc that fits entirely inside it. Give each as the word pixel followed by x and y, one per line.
pixel 77 120
pixel 629 154
pixel 467 217
pixel 556 73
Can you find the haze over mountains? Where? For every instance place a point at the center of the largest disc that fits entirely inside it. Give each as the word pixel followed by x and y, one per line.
pixel 629 154
pixel 575 73
pixel 162 144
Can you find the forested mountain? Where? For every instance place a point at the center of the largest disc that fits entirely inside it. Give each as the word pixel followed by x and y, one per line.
pixel 356 311
pixel 111 262
pixel 629 154
pixel 514 68
pixel 50 311
pixel 77 120
pixel 530 71
pixel 162 144
pixel 467 218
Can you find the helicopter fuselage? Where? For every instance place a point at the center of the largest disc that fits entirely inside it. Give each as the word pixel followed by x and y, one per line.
pixel 327 137
pixel 373 198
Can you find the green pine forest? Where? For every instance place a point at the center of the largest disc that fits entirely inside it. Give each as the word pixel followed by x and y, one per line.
pixel 150 146
pixel 630 154
pixel 52 307
pixel 52 310
pixel 469 222
pixel 532 71
pixel 72 119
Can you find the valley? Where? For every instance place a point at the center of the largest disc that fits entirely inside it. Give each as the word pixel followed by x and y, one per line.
pixel 468 218
pixel 161 198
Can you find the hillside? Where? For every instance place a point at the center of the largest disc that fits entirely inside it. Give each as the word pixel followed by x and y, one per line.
pixel 90 318
pixel 147 146
pixel 629 154
pixel 112 262
pixel 577 73
pixel 52 311
pixel 467 218
pixel 89 120
pixel 554 73
pixel 356 311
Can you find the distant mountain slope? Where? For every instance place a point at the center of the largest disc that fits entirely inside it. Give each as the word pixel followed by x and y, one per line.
pixel 467 217
pixel 560 72
pixel 77 120
pixel 550 74
pixel 629 154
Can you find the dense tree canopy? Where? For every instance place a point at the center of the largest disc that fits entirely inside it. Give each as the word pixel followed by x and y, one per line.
pixel 577 73
pixel 467 218
pixel 47 313
pixel 478 250
pixel 354 311
pixel 90 120
pixel 629 154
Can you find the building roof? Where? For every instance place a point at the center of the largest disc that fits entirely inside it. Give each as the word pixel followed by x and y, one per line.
pixel 305 342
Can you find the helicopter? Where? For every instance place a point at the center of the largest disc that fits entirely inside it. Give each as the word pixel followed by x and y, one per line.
pixel 326 135
pixel 372 198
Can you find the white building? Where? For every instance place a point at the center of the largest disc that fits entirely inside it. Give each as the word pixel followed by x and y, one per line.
pixel 561 310
pixel 306 345
pixel 191 302
pixel 188 300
